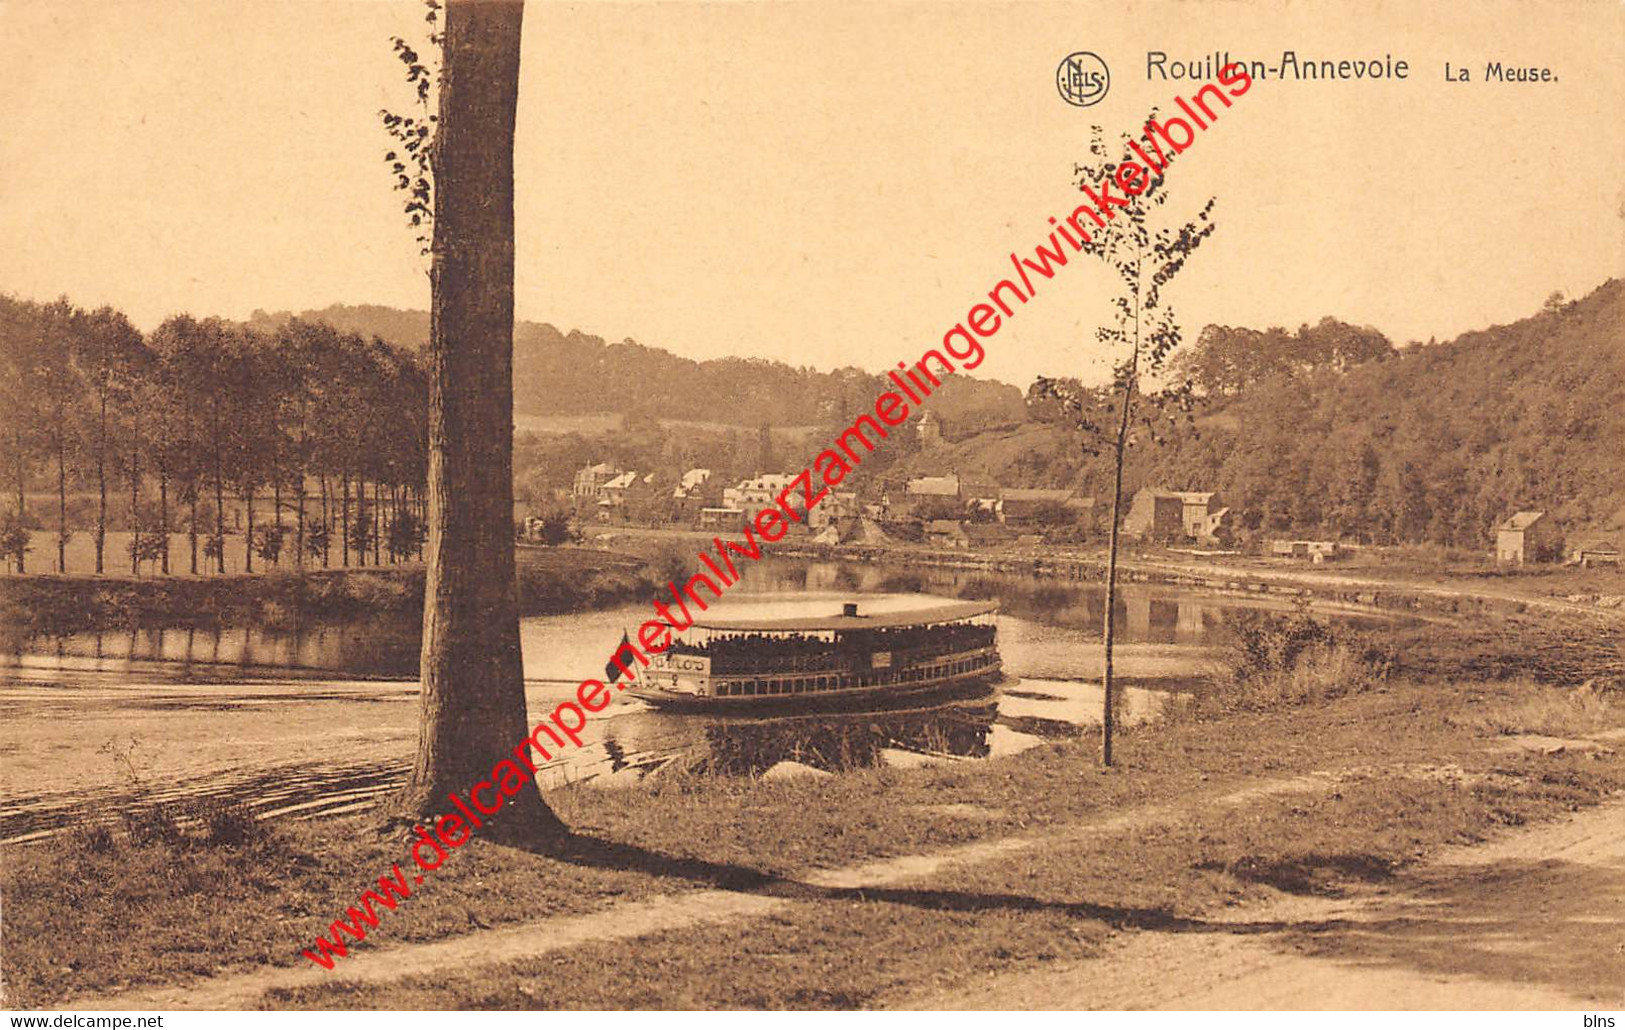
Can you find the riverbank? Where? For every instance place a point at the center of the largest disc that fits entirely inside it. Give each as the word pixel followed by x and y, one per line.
pixel 1429 591
pixel 793 893
pixel 551 581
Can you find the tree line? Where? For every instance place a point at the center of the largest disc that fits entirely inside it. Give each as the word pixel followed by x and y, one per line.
pixel 1332 432
pixel 328 428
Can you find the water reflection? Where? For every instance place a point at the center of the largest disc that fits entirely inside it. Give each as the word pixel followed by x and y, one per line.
pixel 832 743
pixel 387 646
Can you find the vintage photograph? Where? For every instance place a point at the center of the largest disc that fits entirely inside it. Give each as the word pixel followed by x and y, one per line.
pixel 514 505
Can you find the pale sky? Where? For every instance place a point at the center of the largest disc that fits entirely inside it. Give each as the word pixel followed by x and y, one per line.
pixel 814 183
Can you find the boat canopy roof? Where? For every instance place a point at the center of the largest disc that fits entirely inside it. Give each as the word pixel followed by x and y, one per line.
pixel 927 616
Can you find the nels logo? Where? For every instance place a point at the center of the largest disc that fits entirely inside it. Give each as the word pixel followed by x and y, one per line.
pixel 1083 79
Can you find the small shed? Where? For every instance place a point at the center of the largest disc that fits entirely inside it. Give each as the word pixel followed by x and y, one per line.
pixel 1594 549
pixel 946 533
pixel 1528 536
pixel 1315 551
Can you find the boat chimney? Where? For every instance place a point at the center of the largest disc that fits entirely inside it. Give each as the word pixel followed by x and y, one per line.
pixel 850 609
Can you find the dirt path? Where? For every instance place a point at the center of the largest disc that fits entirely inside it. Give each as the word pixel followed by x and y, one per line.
pixel 1533 921
pixel 635 919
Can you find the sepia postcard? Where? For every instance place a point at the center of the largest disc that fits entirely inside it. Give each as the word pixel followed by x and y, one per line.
pixel 515 506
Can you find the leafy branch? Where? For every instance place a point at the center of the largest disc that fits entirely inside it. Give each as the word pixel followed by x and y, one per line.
pixel 411 163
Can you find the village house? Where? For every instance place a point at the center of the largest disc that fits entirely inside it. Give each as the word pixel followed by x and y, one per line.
pixel 1024 507
pixel 692 491
pixel 760 492
pixel 612 495
pixel 1314 551
pixel 590 481
pixel 1162 516
pixel 1528 536
pixel 714 517
pixel 1588 549
pixel 930 431
pixel 933 497
pixel 946 533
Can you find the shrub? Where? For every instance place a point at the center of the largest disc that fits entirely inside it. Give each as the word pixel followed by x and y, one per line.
pixel 227 823
pixel 1286 660
pixel 93 836
pixel 148 824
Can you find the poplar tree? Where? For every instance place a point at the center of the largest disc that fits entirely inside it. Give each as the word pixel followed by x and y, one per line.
pixel 473 689
pixel 1146 249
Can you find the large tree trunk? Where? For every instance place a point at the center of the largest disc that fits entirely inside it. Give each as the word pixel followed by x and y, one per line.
pixel 473 689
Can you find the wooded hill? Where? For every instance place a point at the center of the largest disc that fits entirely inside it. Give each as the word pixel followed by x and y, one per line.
pixel 1328 432
pixel 575 373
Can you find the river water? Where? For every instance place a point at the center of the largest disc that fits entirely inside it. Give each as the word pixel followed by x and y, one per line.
pixel 312 720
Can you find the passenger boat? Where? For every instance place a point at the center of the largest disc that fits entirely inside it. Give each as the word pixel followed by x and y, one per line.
pixel 842 660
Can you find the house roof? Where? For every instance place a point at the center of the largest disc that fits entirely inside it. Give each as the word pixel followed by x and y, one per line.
pixel 770 481
pixel 1036 496
pixel 934 486
pixel 1594 542
pixel 1522 520
pixel 621 481
pixel 1188 496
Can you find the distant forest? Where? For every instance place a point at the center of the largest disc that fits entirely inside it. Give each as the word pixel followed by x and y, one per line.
pixel 575 373
pixel 1331 431
pixel 1433 443
pixel 1327 430
pixel 105 428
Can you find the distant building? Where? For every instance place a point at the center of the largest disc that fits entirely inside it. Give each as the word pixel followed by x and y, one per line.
pixel 933 486
pixel 691 484
pixel 761 492
pixel 932 497
pixel 732 518
pixel 1315 551
pixel 612 494
pixel 589 481
pixel 946 533
pixel 1593 549
pixel 1528 536
pixel 930 430
pixel 1165 516
pixel 1021 507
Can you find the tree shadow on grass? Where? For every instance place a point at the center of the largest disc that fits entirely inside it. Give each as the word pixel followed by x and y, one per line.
pixel 604 854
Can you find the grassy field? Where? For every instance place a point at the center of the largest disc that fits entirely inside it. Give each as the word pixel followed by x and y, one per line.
pixel 1396 767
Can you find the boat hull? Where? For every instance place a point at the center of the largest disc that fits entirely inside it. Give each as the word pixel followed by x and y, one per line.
pixel 850 699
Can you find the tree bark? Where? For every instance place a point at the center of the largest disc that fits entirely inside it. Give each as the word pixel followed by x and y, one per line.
pixel 473 690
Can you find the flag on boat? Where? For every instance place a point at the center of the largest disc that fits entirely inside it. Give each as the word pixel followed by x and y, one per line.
pixel 612 670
